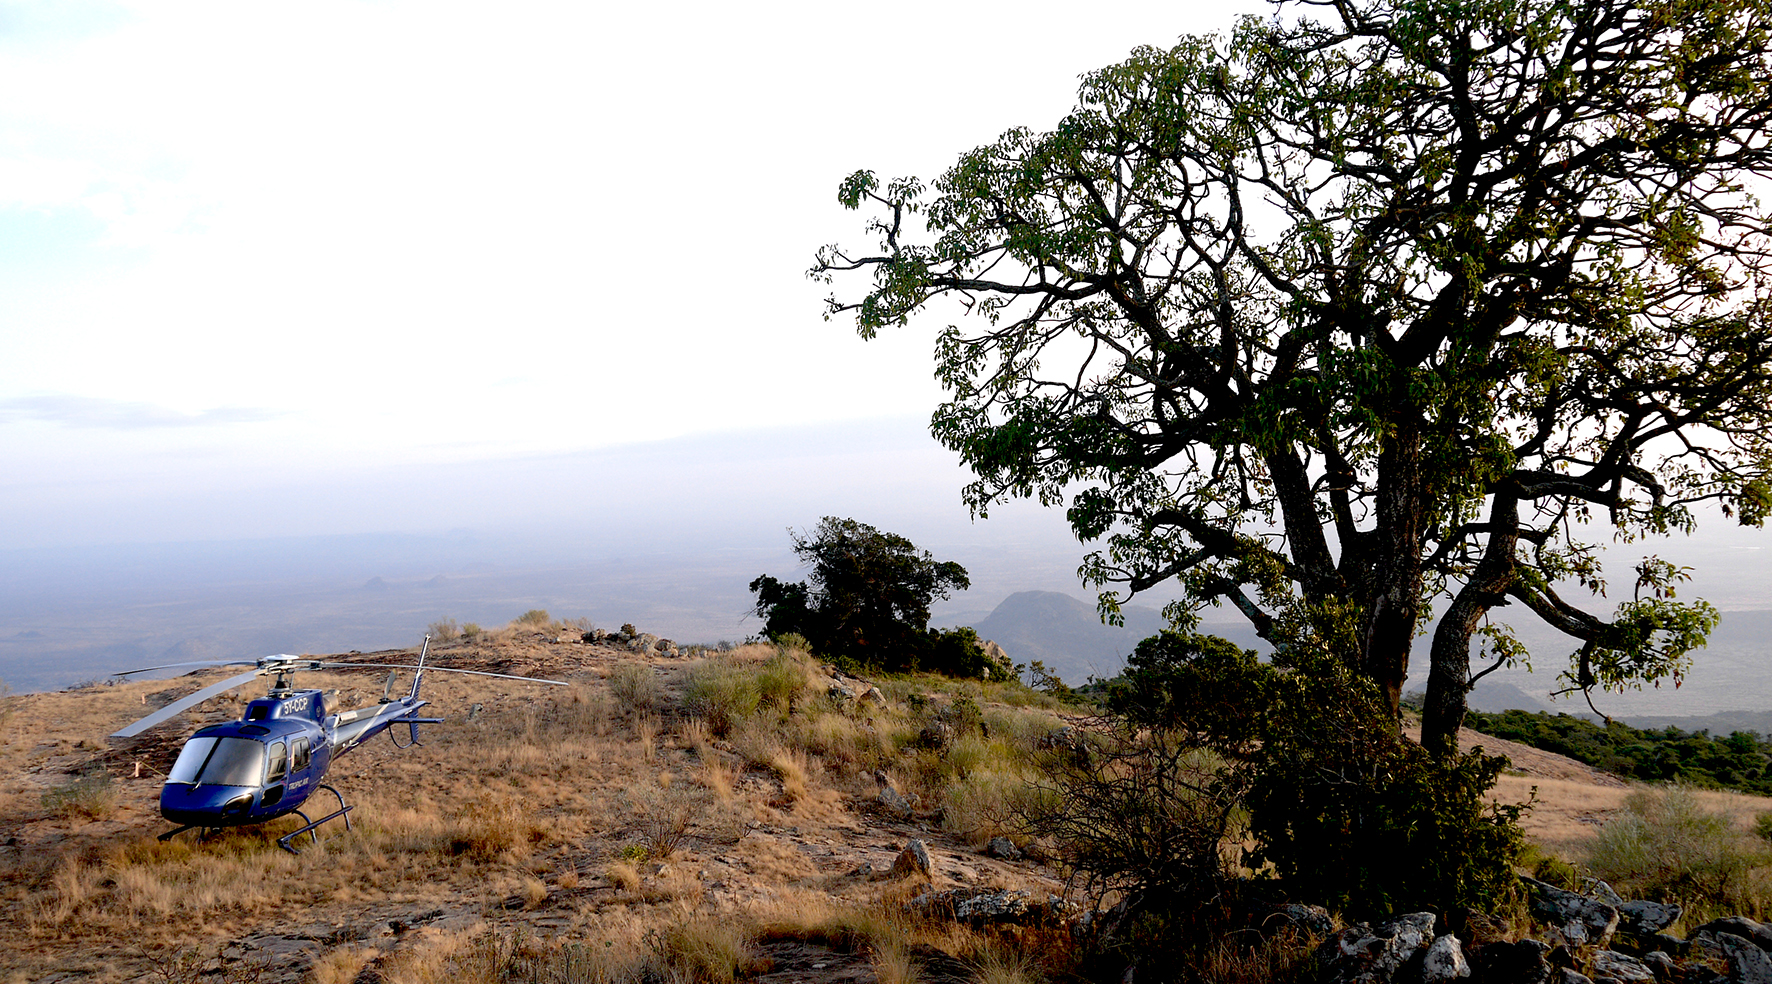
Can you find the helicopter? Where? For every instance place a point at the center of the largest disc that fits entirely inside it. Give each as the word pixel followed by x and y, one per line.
pixel 275 757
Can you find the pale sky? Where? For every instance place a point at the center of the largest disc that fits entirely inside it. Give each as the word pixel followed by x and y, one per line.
pixel 244 245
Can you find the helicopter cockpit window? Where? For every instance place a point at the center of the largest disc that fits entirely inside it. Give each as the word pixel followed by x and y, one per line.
pixel 219 762
pixel 279 762
pixel 298 754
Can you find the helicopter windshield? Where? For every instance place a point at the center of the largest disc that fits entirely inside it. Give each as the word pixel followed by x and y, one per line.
pixel 220 762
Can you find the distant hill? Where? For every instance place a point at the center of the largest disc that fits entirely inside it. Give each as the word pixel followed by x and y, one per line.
pixel 1066 634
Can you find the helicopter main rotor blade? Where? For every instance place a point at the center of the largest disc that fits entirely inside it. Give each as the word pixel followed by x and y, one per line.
pixel 445 669
pixel 173 709
pixel 200 662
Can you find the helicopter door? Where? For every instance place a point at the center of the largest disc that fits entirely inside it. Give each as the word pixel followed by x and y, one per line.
pixel 274 773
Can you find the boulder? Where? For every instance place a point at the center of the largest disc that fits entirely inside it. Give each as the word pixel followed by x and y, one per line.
pixel 871 696
pixel 1756 933
pixel 935 736
pixel 913 860
pixel 1644 918
pixel 1363 954
pixel 839 692
pixel 1311 920
pixel 895 803
pixel 1444 961
pixel 980 907
pixel 1621 967
pixel 1580 919
pixel 643 643
pixel 995 907
pixel 1659 964
pixel 1522 962
pixel 1003 849
pixel 1748 964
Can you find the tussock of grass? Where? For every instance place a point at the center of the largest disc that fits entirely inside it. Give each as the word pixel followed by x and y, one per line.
pixel 1666 846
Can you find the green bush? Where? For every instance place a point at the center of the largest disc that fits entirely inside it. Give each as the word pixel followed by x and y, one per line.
pixel 781 681
pixel 722 693
pixel 535 618
pixel 1665 846
pixel 1763 826
pixel 444 630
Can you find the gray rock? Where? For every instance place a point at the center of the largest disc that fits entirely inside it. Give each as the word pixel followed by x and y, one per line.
pixel 1621 967
pixel 895 803
pixel 840 693
pixel 1563 975
pixel 1444 961
pixel 1581 920
pixel 1756 933
pixel 872 696
pixel 937 735
pixel 913 860
pixel 1644 918
pixel 1659 964
pixel 995 907
pixel 1312 920
pixel 1003 849
pixel 642 643
pixel 1748 964
pixel 1362 954
pixel 1522 962
pixel 1595 888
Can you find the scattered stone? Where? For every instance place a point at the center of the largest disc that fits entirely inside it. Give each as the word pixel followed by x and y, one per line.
pixel 1003 849
pixel 1756 933
pixel 1522 962
pixel 913 860
pixel 1748 964
pixel 839 692
pixel 896 804
pixel 1312 920
pixel 935 736
pixel 1621 967
pixel 873 696
pixel 1566 975
pixel 1362 954
pixel 1644 918
pixel 1580 920
pixel 1659 964
pixel 1444 961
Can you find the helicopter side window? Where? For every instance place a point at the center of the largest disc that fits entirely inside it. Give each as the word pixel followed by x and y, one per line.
pixel 279 762
pixel 298 755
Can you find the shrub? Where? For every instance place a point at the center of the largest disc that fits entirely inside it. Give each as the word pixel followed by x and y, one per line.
pixel 470 631
pixel 535 618
pixel 722 693
pixel 443 630
pixel 780 682
pixel 1763 826
pixel 91 796
pixel 1665 846
pixel 635 687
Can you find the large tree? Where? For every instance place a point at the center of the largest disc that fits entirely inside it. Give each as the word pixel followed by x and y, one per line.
pixel 1368 304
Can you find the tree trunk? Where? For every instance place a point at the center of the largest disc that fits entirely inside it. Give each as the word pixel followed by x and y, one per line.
pixel 1394 607
pixel 1448 677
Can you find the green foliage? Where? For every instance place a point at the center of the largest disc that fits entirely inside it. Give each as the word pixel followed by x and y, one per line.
pixel 1338 807
pixel 1665 846
pixel 781 682
pixel 1738 761
pixel 722 693
pixel 1763 826
pixel 535 618
pixel 1483 304
pixel 444 630
pixel 866 602
pixel 1356 817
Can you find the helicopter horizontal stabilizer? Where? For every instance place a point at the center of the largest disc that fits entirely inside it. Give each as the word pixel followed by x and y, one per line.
pixel 183 704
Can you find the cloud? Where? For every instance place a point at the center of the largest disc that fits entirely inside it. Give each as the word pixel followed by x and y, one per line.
pixel 93 411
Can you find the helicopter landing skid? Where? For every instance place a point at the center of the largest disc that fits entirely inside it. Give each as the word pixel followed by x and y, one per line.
pixel 313 838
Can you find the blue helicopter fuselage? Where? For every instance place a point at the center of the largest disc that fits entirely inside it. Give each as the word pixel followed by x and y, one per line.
pixel 271 760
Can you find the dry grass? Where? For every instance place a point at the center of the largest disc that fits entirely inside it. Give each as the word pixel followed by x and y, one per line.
pixel 499 814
